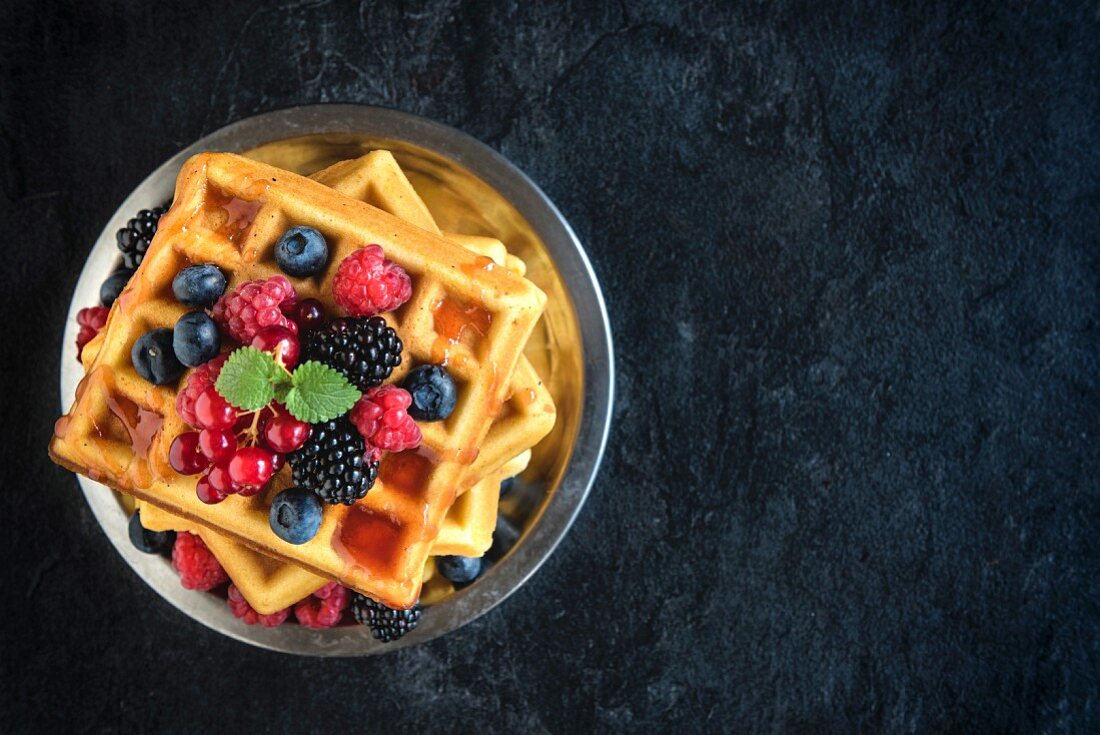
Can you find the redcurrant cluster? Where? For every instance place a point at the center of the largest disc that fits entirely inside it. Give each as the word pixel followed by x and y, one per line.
pixel 239 452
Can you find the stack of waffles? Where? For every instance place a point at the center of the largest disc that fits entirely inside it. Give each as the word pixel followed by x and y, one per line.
pixel 438 500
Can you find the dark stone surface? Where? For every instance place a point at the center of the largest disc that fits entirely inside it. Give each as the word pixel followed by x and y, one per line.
pixel 851 257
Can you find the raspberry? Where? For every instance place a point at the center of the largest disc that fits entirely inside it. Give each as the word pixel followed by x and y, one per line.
pixel 198 381
pixel 244 611
pixel 197 567
pixel 381 417
pixel 324 608
pixel 367 284
pixel 91 320
pixel 255 305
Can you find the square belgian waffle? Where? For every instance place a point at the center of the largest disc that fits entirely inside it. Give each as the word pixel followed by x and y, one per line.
pixel 231 211
pixel 527 417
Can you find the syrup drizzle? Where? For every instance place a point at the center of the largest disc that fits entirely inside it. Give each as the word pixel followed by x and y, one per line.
pixel 239 213
pixel 369 539
pixel 407 472
pixel 141 423
pixel 481 263
pixel 457 323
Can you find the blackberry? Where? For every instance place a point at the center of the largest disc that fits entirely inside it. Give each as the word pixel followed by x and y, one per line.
pixel 133 239
pixel 385 623
pixel 365 350
pixel 331 463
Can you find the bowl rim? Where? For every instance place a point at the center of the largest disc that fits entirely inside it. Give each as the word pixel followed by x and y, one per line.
pixel 557 514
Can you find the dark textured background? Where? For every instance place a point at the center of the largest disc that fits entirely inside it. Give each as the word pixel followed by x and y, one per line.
pixel 851 260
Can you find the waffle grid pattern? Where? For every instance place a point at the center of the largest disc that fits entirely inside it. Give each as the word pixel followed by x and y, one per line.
pixel 231 211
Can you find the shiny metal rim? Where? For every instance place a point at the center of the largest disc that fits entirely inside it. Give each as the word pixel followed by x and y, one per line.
pixel 569 256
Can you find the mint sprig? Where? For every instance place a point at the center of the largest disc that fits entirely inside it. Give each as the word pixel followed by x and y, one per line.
pixel 320 393
pixel 247 379
pixel 314 392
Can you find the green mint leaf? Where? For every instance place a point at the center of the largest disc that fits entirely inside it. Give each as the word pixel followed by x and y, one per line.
pixel 282 389
pixel 320 393
pixel 247 379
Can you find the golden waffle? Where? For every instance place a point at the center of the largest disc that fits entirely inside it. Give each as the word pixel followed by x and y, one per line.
pixel 270 585
pixel 230 211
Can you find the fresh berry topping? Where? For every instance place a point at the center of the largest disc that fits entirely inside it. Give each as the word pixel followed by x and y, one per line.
pixel 133 239
pixel 367 284
pixel 283 433
pixel 214 412
pixel 251 467
pixel 207 493
pixel 324 608
pixel 185 456
pixel 151 542
pixel 255 305
pixel 433 392
pixel 365 350
pixel 507 485
pixel 331 463
pixel 91 320
pixel 244 611
pixel 385 623
pixel 381 417
pixel 280 342
pixel 217 445
pixel 295 515
pixel 277 462
pixel 197 567
pixel 196 339
pixel 199 285
pixel 154 359
pixel 308 314
pixel 197 382
pixel 459 569
pixel 219 479
pixel 113 286
pixel 301 252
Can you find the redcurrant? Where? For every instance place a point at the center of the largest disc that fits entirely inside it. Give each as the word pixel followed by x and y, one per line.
pixel 214 412
pixel 184 454
pixel 308 313
pixel 251 467
pixel 284 433
pixel 279 341
pixel 207 492
pixel 217 445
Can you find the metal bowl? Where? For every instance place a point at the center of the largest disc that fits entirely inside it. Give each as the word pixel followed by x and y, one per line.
pixel 470 188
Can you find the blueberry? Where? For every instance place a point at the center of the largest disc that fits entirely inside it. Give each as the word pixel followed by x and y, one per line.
pixel 151 542
pixel 301 252
pixel 459 569
pixel 295 515
pixel 195 339
pixel 112 287
pixel 433 392
pixel 507 485
pixel 154 359
pixel 199 285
